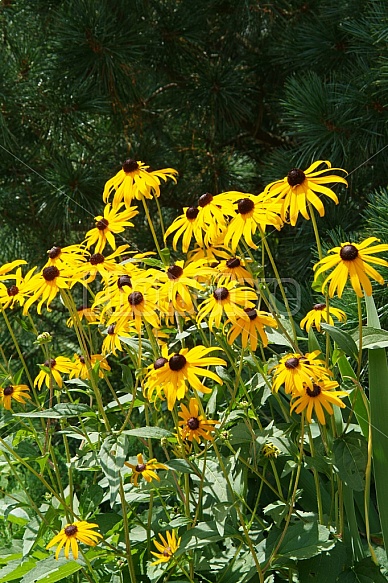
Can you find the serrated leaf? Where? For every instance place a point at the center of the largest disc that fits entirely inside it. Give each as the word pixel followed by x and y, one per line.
pixel 51 570
pixel 343 339
pixel 350 454
pixel 149 432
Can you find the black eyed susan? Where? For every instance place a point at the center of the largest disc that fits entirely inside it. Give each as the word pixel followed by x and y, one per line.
pixel 81 370
pixel 17 392
pixel 72 534
pixel 194 425
pixel 179 282
pixel 83 311
pixel 168 547
pixel 101 264
pixel 17 293
pixel 214 212
pixel 152 389
pixel 44 286
pixel 319 314
pixel 71 256
pixel 116 333
pixel 55 366
pixel 187 226
pixel 136 180
pixel 141 304
pixel 114 220
pixel 7 267
pixel 230 299
pixel 296 371
pixel 252 212
pixel 318 397
pixel 184 367
pixel 300 187
pixel 352 260
pixel 145 469
pixel 233 269
pixel 252 329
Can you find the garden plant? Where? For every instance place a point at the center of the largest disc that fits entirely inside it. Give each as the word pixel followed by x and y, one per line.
pixel 192 428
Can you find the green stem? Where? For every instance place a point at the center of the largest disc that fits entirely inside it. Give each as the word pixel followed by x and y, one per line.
pixel 316 477
pixel 152 229
pixel 131 567
pixel 359 363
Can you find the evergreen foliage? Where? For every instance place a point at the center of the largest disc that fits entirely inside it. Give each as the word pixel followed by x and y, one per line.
pixel 232 96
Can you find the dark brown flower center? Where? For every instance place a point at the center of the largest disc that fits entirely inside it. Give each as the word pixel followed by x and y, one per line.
pixel 233 262
pixel 82 359
pixel 71 530
pixel 319 307
pixel 221 293
pixel 295 176
pixel 140 468
pixel 315 392
pixel 124 280
pixel 193 423
pixel 50 363
pixel 130 166
pixel 251 313
pixel 135 298
pixel 177 362
pixel 8 391
pixel 97 258
pixel 13 290
pixel 54 252
pixel 292 363
pixel 205 199
pixel 160 362
pixel 111 329
pixel 174 272
pixel 50 273
pixel 192 213
pixel 245 206
pixel 167 552
pixel 102 225
pixel 349 253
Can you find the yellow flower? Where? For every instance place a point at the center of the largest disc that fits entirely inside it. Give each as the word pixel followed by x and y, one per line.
pixel 300 186
pixel 7 267
pixel 141 303
pixel 80 368
pixel 59 364
pixel 318 397
pixel 113 221
pixel 44 286
pixel 179 279
pixel 233 270
pixel 319 314
pixel 214 212
pixel 135 180
pixel 83 312
pixel 184 367
pixel 229 299
pixel 252 212
pixel 104 265
pixel 352 260
pixel 145 469
pixel 115 334
pixel 71 256
pixel 269 450
pixel 187 225
pixel 195 426
pixel 167 549
pixel 18 291
pixel 17 392
pixel 251 329
pixel 297 370
pixel 152 389
pixel 71 534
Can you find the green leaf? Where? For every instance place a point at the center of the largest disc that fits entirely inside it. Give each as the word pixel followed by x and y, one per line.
pixel 149 432
pixel 325 567
pixel 355 395
pixel 16 569
pixel 51 570
pixel 179 465
pixel 61 411
pixel 304 540
pixel 203 534
pixel 350 454
pixel 363 572
pixel 373 338
pixel 313 343
pixel 343 339
pixel 112 457
pixel 277 338
pixel 90 499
